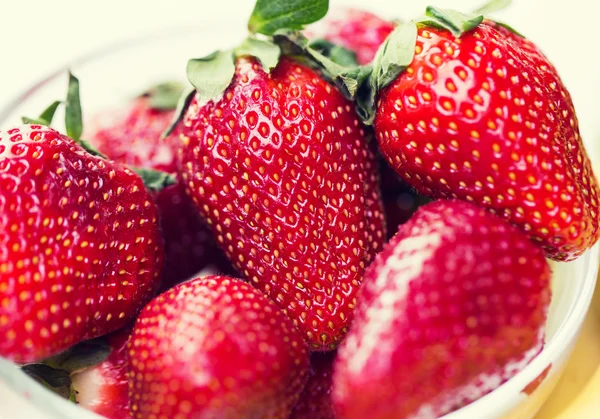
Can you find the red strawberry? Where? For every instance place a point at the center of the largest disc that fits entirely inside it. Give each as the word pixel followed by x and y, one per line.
pixel 452 307
pixel 136 140
pixel 80 250
pixel 315 401
pixel 215 347
pixel 280 168
pixel 135 137
pixel 103 388
pixel 357 30
pixel 486 118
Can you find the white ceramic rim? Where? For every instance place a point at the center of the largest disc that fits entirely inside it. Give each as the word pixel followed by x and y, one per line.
pixel 507 392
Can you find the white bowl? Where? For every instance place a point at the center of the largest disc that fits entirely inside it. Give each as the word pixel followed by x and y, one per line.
pixel 112 76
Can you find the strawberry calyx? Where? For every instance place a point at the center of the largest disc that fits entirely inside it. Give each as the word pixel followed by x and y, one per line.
pixel 55 373
pixel 45 117
pixel 155 180
pixel 456 22
pixel 164 96
pixel 397 51
pixel 270 16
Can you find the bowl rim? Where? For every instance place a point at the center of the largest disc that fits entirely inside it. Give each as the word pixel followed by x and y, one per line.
pixel 560 342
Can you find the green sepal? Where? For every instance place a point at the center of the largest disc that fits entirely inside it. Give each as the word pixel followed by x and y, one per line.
pixel 81 356
pixel 45 117
pixel 164 96
pixel 34 121
pixel 212 74
pixel 335 53
pixel 347 78
pixel 73 114
pixel 510 28
pixel 392 58
pixel 266 52
pixel 55 380
pixel 269 16
pixel 456 22
pixel 155 180
pixel 182 105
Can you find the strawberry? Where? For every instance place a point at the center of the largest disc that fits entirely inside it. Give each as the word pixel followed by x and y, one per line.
pixel 103 388
pixel 315 400
pixel 279 165
pixel 215 347
pixel 356 30
pixel 482 115
pixel 135 140
pixel 80 250
pixel 452 307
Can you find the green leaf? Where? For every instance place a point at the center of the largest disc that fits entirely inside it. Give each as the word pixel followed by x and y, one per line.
pixel 269 16
pixel 87 146
pixel 212 74
pixel 45 117
pixel 58 381
pixel 34 121
pixel 38 396
pixel 81 356
pixel 267 52
pixel 155 180
pixel 492 6
pixel 48 114
pixel 396 53
pixel 73 115
pixel 392 58
pixel 346 78
pixel 510 28
pixel 182 105
pixel 456 22
pixel 335 53
pixel 164 96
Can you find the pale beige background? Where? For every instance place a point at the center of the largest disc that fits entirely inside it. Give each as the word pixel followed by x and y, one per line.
pixel 37 36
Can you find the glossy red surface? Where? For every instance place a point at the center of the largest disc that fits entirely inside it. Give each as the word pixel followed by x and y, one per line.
pixel 134 138
pixel 281 169
pixel 80 250
pixel 215 347
pixel 485 118
pixel 453 306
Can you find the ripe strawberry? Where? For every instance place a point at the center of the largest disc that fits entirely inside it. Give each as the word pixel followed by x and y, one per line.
pixel 452 307
pixel 315 400
pixel 357 30
pixel 215 347
pixel 136 140
pixel 80 250
pixel 280 168
pixel 486 118
pixel 103 388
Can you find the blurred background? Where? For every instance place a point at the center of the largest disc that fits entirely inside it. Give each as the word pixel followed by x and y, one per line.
pixel 39 36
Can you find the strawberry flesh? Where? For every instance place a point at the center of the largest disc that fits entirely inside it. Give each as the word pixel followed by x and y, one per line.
pixel 453 306
pixel 486 119
pixel 215 347
pixel 80 249
pixel 281 169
